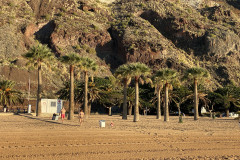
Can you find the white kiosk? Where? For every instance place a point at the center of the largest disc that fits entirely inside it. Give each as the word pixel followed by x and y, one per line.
pixel 51 105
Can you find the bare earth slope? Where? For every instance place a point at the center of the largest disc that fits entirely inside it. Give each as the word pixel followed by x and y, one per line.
pixel 27 137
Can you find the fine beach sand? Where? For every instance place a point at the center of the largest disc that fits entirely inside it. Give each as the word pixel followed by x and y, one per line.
pixel 28 137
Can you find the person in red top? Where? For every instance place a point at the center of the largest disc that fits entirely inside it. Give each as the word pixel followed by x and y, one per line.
pixel 63 111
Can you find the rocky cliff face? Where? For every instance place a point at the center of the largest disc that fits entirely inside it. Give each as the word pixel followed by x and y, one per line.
pixel 173 33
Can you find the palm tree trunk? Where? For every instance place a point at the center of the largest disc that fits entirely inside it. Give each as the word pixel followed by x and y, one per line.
pixel 166 113
pixel 124 115
pixel 86 94
pixel 195 100
pixel 71 103
pixel 89 108
pixel 179 111
pixel 159 104
pixel 227 112
pixel 109 111
pixel 136 107
pixel 130 110
pixel 39 91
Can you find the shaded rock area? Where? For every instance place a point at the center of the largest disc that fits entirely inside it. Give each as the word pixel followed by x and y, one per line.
pixel 234 3
pixel 44 33
pixel 172 33
pixel 171 28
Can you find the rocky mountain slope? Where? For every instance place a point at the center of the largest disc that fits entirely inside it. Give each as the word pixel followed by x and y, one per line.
pixel 160 33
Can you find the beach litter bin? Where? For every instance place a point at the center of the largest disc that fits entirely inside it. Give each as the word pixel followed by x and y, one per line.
pixel 55 117
pixel 102 123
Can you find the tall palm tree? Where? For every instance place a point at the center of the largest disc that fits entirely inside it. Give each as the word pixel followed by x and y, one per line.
pixel 37 56
pixel 130 99
pixel 196 74
pixel 86 65
pixel 158 84
pixel 139 72
pixel 8 95
pixel 168 76
pixel 71 59
pixel 123 73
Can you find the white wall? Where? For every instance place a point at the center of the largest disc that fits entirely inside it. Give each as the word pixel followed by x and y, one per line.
pixel 51 105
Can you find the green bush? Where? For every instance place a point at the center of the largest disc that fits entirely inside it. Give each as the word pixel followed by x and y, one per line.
pixel 91 50
pixel 47 17
pixel 84 47
pixel 11 4
pixel 78 47
pixel 62 9
pixel 61 14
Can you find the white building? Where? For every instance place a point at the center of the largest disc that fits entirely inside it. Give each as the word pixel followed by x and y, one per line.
pixel 51 105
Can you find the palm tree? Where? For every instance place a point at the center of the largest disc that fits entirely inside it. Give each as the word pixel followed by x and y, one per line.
pixel 139 72
pixel 86 65
pixel 64 93
pixel 196 74
pixel 225 97
pixel 123 73
pixel 158 84
pixel 8 95
pixel 168 76
pixel 93 94
pixel 130 99
pixel 37 56
pixel 72 59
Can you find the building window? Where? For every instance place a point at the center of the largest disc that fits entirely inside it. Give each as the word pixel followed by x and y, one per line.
pixel 53 104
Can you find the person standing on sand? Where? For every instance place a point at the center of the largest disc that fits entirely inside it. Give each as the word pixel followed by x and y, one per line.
pixel 81 116
pixel 63 111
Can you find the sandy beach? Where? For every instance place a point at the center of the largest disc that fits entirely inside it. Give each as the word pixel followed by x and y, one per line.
pixel 28 137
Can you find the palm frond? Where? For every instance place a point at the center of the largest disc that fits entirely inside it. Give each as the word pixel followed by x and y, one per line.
pixel 70 59
pixel 196 73
pixel 39 53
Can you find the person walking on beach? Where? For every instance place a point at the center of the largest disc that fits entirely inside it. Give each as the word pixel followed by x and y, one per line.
pixel 63 111
pixel 81 116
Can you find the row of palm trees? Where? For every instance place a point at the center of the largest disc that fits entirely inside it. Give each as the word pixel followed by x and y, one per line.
pixel 161 79
pixel 140 73
pixel 41 54
pixel 85 65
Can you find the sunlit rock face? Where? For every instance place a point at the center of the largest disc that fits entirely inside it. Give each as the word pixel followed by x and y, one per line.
pixel 160 33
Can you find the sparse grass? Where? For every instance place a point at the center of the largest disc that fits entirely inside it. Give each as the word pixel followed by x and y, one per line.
pixel 85 30
pixel 11 4
pixel 63 9
pixel 47 17
pixel 61 14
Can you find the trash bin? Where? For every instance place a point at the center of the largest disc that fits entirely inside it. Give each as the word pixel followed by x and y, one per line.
pixel 55 117
pixel 102 123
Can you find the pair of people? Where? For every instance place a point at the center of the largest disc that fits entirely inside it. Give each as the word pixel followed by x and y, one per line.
pixel 80 115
